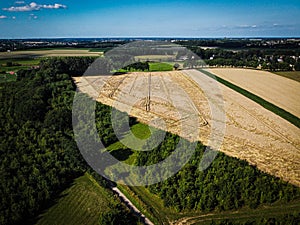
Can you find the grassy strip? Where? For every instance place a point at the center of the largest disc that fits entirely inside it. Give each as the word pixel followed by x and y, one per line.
pixel 267 105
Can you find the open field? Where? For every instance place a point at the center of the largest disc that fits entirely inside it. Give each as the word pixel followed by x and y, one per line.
pixel 284 93
pixel 252 132
pixel 294 75
pixel 160 67
pixel 82 203
pixel 155 57
pixel 48 53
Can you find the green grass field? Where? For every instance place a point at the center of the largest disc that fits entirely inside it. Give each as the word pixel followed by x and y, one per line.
pixel 8 65
pixel 82 203
pixel 160 67
pixel 294 75
pixel 153 67
pixel 123 153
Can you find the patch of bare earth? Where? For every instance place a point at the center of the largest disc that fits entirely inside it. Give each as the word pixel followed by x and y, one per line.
pixel 252 132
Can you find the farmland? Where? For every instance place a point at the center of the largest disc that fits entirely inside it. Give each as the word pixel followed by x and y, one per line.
pixel 278 90
pixel 48 53
pixel 252 132
pixel 82 203
pixel 18 60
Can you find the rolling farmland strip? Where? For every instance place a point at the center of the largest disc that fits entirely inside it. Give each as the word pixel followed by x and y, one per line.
pixel 47 53
pixel 273 108
pixel 277 90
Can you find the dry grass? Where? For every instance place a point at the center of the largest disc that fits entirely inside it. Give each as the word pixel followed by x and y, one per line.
pixel 283 92
pixel 252 132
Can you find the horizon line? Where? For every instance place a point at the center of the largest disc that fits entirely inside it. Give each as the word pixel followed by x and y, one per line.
pixel 162 37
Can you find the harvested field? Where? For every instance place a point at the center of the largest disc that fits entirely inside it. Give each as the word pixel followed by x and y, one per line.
pixel 158 58
pixel 280 91
pixel 47 53
pixel 252 132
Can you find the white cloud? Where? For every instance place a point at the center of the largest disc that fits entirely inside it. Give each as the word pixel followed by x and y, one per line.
pixel 55 6
pixel 33 6
pixel 13 17
pixel 3 17
pixel 245 26
pixel 19 2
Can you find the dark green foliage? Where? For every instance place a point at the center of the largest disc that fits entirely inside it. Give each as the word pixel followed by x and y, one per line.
pixel 245 53
pixel 227 184
pixel 138 66
pixel 291 219
pixel 297 66
pixel 73 66
pixel 39 156
pixel 119 216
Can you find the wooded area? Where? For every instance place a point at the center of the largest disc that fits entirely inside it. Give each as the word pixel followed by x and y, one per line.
pixel 39 157
pixel 227 184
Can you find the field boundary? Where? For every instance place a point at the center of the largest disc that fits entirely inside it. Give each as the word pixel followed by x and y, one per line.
pixel 267 105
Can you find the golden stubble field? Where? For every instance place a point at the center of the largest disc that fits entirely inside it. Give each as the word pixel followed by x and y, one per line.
pixel 252 132
pixel 283 92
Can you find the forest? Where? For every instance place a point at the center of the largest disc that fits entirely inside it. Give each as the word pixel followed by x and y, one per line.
pixel 228 184
pixel 39 157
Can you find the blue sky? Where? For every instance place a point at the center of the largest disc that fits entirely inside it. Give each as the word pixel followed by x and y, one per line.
pixel 103 18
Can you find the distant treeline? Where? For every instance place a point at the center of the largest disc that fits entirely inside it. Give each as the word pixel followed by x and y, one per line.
pixel 276 57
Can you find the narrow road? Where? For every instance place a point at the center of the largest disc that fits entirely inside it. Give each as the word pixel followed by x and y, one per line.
pixel 131 206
